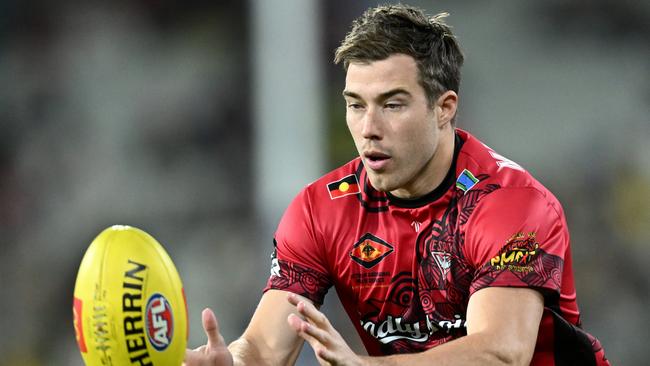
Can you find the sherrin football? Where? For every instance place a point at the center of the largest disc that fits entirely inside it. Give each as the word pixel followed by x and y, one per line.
pixel 129 306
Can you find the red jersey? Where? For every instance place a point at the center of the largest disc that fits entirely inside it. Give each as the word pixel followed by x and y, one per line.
pixel 404 270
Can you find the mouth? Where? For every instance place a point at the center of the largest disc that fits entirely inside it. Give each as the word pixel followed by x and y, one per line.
pixel 376 160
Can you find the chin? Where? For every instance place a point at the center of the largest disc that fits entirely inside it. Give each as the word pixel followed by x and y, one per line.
pixel 379 184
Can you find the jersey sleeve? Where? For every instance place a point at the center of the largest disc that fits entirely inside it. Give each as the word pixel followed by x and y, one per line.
pixel 517 237
pixel 298 261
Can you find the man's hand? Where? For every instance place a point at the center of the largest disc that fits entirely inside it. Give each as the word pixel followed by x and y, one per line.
pixel 215 352
pixel 328 345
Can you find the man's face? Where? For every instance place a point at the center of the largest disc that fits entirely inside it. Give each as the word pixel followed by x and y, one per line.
pixel 393 125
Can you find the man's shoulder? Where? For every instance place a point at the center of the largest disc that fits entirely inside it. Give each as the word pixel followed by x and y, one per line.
pixel 481 168
pixel 338 183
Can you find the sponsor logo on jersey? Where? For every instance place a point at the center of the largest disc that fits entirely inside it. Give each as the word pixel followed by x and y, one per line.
pixel 344 187
pixel 443 260
pixel 370 250
pixel 416 225
pixel 159 322
pixel 77 312
pixel 518 252
pixel 395 328
pixel 457 323
pixel 466 180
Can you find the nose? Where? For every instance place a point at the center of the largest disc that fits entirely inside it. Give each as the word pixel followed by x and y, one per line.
pixel 371 124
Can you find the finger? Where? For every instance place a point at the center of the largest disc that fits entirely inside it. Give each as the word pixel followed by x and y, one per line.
pixel 200 349
pixel 211 328
pixel 293 299
pixel 310 312
pixel 307 309
pixel 327 355
pixel 296 323
pixel 191 357
pixel 308 331
pixel 300 326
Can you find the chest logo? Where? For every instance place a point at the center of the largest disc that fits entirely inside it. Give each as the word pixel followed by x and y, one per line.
pixel 370 250
pixel 344 187
pixel 443 260
pixel 416 225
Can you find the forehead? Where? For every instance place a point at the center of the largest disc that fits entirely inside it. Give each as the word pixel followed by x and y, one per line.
pixel 396 71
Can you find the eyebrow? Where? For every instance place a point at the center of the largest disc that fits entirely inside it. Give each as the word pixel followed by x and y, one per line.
pixel 382 96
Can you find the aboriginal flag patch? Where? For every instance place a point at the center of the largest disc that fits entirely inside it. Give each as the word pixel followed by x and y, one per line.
pixel 343 187
pixel 370 250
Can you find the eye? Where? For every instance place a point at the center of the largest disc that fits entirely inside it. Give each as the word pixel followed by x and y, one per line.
pixel 393 105
pixel 355 106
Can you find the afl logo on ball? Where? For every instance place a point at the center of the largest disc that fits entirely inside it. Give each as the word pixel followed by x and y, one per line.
pixel 159 322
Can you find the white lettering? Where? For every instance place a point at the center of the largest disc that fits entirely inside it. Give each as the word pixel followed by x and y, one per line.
pixel 369 327
pixel 393 329
pixel 385 328
pixel 432 327
pixel 405 329
pixel 417 333
pixel 503 162
pixel 449 325
pixel 159 322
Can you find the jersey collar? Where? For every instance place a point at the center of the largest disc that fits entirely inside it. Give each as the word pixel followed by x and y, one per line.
pixel 437 193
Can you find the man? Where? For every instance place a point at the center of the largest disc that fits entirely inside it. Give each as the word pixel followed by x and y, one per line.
pixel 441 250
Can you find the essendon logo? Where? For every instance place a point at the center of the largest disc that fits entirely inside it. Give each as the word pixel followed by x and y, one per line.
pixel 77 309
pixel 370 250
pixel 518 252
pixel 344 187
pixel 159 322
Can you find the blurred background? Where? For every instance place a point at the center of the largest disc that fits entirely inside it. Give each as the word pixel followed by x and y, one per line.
pixel 198 121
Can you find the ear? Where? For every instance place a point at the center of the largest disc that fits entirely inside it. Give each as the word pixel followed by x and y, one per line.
pixel 446 107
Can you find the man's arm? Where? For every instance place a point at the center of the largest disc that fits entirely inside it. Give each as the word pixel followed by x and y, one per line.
pixel 268 339
pixel 502 326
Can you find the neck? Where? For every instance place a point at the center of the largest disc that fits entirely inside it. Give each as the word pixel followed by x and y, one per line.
pixel 434 171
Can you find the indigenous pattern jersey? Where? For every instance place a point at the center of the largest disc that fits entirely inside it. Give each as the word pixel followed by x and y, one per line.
pixel 405 269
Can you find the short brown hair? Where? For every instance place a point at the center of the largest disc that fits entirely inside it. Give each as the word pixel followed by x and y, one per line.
pixel 386 30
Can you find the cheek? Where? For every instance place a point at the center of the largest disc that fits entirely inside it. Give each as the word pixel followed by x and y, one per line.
pixel 419 142
pixel 418 135
pixel 354 132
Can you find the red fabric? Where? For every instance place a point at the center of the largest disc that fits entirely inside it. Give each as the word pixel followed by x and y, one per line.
pixel 506 230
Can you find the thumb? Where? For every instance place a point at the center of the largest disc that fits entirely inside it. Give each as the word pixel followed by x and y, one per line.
pixel 211 328
pixel 192 358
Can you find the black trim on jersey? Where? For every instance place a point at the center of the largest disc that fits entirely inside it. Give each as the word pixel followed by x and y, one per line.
pixel 379 203
pixel 571 344
pixel 371 209
pixel 367 188
pixel 437 193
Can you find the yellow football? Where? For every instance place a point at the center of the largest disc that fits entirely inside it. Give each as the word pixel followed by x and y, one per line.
pixel 129 306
